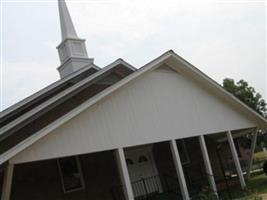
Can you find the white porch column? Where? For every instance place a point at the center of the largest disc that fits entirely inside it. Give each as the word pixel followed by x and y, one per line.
pixel 179 170
pixel 206 158
pixel 7 183
pixel 236 160
pixel 124 174
pixel 252 149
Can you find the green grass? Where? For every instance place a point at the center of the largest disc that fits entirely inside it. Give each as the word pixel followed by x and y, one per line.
pixel 256 185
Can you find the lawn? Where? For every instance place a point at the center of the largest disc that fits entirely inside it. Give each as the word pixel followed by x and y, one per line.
pixel 256 185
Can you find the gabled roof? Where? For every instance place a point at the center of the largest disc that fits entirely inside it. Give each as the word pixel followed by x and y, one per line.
pixel 25 126
pixel 170 58
pixel 54 98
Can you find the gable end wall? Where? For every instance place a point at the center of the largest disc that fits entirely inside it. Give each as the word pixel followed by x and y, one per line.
pixel 157 106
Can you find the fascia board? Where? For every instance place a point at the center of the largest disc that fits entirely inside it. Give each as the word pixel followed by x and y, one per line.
pixel 56 98
pixel 150 66
pixel 219 88
pixel 46 130
pixel 44 90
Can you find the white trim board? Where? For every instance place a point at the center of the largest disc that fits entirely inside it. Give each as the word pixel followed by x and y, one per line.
pixel 44 90
pixel 60 95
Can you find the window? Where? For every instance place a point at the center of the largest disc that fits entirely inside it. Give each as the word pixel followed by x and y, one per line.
pixel 183 152
pixel 71 174
pixel 129 161
pixel 142 159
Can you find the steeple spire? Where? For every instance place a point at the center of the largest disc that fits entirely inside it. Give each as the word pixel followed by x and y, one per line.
pixel 72 51
pixel 67 28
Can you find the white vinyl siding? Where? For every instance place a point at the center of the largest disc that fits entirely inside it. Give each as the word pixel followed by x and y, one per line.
pixel 157 106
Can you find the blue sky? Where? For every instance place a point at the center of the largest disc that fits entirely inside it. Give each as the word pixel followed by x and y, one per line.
pixel 221 38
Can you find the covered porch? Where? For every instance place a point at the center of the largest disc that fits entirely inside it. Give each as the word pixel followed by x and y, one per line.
pixel 174 169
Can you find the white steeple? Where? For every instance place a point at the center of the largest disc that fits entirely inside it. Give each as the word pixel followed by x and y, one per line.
pixel 72 51
pixel 67 28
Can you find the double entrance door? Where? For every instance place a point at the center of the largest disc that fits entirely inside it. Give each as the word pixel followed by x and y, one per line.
pixel 143 171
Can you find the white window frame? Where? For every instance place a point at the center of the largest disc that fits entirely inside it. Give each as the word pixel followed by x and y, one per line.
pixel 80 172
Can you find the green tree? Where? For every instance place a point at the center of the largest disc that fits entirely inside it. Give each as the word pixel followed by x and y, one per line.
pixel 247 94
pixel 254 100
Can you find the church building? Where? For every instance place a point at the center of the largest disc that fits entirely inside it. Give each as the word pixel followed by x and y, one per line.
pixel 165 131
